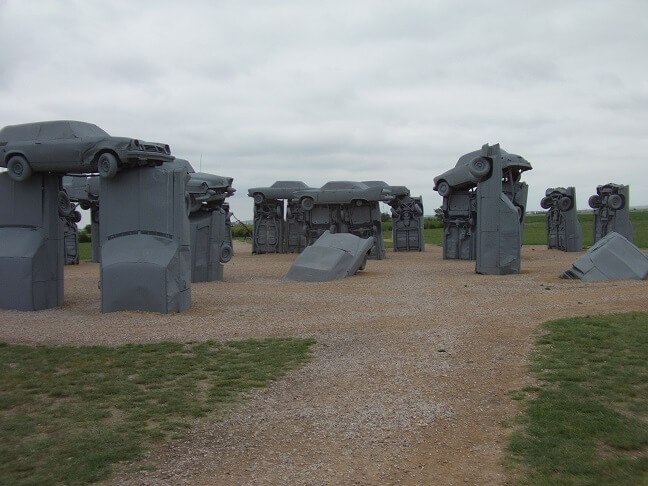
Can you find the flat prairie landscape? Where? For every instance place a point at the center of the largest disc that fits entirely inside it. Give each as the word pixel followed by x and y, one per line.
pixel 414 368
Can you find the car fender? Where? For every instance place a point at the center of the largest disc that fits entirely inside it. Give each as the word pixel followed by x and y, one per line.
pixel 10 154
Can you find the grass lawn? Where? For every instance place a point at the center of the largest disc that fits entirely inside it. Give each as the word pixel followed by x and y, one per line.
pixel 586 422
pixel 85 251
pixel 68 413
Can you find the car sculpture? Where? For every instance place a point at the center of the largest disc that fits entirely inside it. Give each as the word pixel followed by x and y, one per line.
pixel 608 195
pixel 560 196
pixel 72 146
pixel 342 192
pixel 474 167
pixel 278 190
pixel 205 188
pixel 397 191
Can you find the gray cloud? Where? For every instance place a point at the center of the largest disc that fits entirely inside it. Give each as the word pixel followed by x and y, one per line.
pixel 345 90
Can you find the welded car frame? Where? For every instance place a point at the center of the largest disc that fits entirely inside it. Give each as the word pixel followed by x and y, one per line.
pixel 475 167
pixel 278 190
pixel 342 192
pixel 65 146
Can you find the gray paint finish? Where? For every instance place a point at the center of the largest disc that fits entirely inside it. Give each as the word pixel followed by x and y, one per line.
pixel 564 231
pixel 31 243
pixel 612 257
pixel 145 241
pixel 611 205
pixel 331 257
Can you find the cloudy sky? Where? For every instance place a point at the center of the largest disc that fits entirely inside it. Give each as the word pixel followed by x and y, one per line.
pixel 345 90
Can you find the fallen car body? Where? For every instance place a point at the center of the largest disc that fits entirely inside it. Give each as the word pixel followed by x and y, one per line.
pixel 331 257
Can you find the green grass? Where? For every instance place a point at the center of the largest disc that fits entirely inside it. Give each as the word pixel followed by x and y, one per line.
pixel 85 251
pixel 68 413
pixel 586 423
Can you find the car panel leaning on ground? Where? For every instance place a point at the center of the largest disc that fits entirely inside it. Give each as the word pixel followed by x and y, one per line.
pixel 342 192
pixel 474 167
pixel 64 146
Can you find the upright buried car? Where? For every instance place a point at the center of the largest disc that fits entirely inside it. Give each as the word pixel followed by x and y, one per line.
pixel 73 146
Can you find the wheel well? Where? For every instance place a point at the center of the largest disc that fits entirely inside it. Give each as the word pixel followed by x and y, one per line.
pixel 9 155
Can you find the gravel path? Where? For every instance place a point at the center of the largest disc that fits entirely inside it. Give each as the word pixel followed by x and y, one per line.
pixel 414 362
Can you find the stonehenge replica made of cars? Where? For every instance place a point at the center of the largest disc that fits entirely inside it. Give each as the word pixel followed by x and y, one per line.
pixel 164 226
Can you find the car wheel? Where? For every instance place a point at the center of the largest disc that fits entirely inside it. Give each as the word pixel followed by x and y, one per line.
pixel 479 167
pixel 84 205
pixel 443 188
pixel 565 203
pixel 307 203
pixel 226 253
pixel 64 207
pixel 545 202
pixel 258 198
pixel 615 201
pixel 107 165
pixel 594 201
pixel 76 216
pixel 358 202
pixel 18 168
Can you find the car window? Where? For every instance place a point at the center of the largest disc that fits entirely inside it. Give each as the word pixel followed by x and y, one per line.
pixel 19 133
pixel 81 129
pixel 55 131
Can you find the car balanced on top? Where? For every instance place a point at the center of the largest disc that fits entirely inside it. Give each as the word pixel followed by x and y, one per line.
pixel 67 146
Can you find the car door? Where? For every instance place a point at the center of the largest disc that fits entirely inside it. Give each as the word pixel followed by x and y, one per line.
pixel 56 148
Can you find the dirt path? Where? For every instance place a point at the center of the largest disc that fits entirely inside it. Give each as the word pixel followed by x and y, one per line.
pixel 414 362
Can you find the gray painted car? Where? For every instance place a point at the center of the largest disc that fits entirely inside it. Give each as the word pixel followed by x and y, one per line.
pixel 206 188
pixel 331 257
pixel 342 192
pixel 474 167
pixel 72 146
pixel 278 190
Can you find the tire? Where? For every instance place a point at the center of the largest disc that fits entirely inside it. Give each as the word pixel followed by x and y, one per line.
pixel 594 201
pixel 479 167
pixel 226 253
pixel 307 203
pixel 545 202
pixel 358 202
pixel 107 165
pixel 258 198
pixel 615 201
pixel 64 207
pixel 18 168
pixel 443 188
pixel 84 205
pixel 565 203
pixel 76 216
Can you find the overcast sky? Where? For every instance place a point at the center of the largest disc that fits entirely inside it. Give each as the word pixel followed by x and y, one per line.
pixel 345 90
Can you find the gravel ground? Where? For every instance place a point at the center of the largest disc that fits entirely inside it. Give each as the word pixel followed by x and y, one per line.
pixel 410 382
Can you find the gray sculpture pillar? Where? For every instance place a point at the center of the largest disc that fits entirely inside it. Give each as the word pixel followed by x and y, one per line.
pixel 408 224
pixel 211 244
pixel 611 205
pixel 268 227
pixel 362 220
pixel 95 234
pixel 564 231
pixel 498 222
pixel 145 246
pixel 296 228
pixel 31 243
pixel 459 225
pixel 71 242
